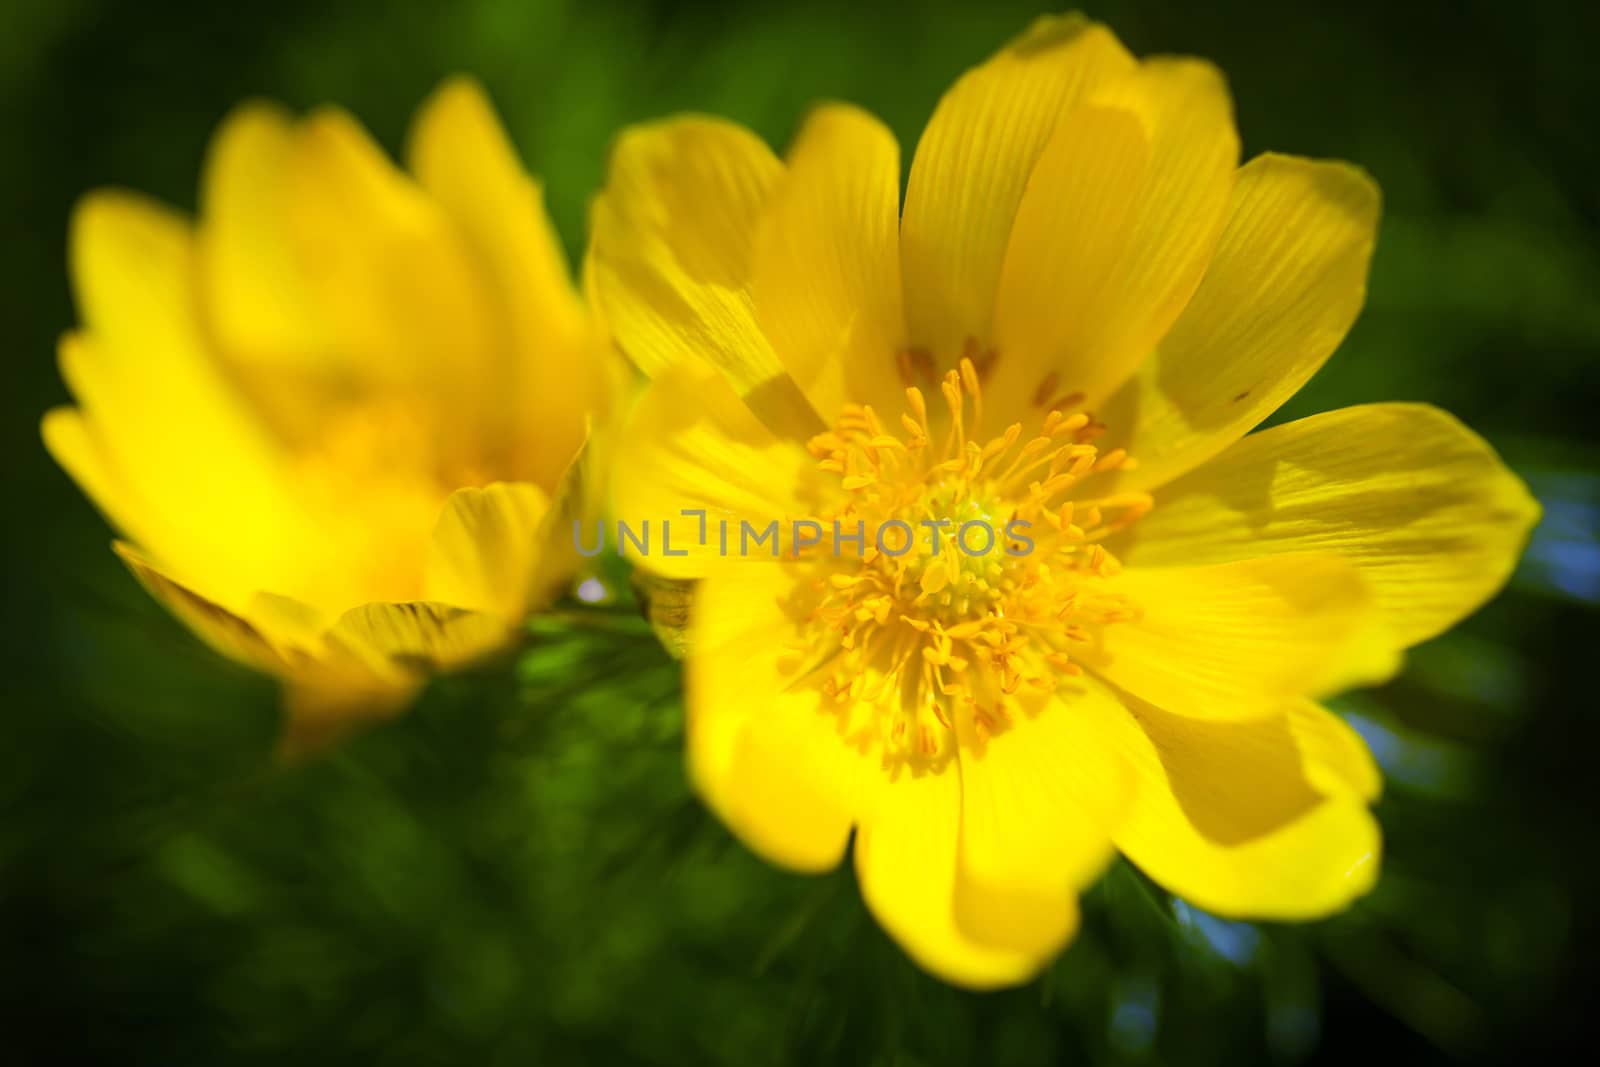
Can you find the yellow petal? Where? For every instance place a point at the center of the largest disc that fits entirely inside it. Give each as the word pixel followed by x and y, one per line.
pixel 826 274
pixel 329 686
pixel 670 257
pixel 1336 759
pixel 73 444
pixel 1115 229
pixel 773 760
pixel 418 636
pixel 224 631
pixel 486 547
pixel 158 403
pixel 690 444
pixel 1240 640
pixel 1286 281
pixel 906 856
pixel 1039 795
pixel 580 494
pixel 553 373
pixel 404 299
pixel 1073 227
pixel 1416 501
pixel 972 165
pixel 1224 816
pixel 256 298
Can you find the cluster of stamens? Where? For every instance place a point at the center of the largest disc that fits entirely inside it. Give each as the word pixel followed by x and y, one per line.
pixel 974 572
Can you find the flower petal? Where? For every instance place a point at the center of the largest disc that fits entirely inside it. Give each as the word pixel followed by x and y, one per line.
pixel 972 166
pixel 1075 224
pixel 580 493
pixel 1039 796
pixel 553 374
pixel 826 273
pixel 1240 640
pixel 485 549
pixel 1224 816
pixel 418 637
pixel 329 687
pixel 75 446
pixel 256 299
pixel 1336 759
pixel 906 856
pixel 1283 287
pixel 1418 502
pixel 689 443
pixel 405 301
pixel 224 631
pixel 1115 229
pixel 774 762
pixel 158 403
pixel 670 257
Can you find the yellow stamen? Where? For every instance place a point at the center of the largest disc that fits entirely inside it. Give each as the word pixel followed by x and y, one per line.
pixel 956 621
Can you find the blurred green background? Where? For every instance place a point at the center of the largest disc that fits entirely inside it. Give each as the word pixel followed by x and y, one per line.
pixel 516 873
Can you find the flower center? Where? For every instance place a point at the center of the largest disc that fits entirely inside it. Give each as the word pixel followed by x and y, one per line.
pixel 962 563
pixel 956 571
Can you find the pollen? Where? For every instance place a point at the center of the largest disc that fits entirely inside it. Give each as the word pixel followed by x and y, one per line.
pixel 961 570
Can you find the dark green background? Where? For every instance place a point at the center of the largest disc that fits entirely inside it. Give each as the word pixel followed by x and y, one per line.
pixel 517 873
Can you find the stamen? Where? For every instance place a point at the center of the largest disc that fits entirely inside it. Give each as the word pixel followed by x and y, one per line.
pixel 998 621
pixel 969 381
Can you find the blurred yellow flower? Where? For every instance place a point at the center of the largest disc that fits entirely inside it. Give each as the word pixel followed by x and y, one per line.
pixel 336 417
pixel 991 722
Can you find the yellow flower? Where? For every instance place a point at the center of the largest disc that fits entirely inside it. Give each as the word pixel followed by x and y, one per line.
pixel 335 417
pixel 1082 273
